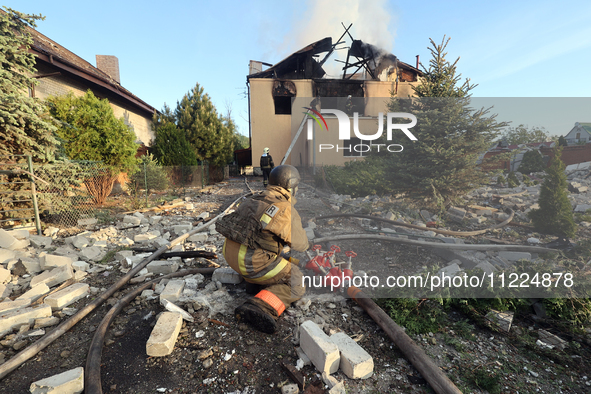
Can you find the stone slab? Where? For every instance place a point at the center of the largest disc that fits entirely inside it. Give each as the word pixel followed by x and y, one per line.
pixel 22 316
pixel 323 353
pixel 69 295
pixel 69 382
pixel 164 335
pixel 356 363
pixel 173 290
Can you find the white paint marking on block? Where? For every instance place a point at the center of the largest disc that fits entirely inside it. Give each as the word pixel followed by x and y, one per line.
pixel 67 296
pixel 69 382
pixel 323 353
pixel 356 363
pixel 164 335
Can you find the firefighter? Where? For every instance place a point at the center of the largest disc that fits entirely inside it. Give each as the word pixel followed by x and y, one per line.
pixel 266 165
pixel 257 235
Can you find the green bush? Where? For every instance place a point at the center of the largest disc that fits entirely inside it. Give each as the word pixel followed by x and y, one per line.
pixel 501 180
pixel 151 176
pixel 512 180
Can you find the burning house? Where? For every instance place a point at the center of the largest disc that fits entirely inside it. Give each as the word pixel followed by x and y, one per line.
pixel 279 93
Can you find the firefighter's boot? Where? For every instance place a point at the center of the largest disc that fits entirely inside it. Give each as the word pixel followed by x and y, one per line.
pixel 256 317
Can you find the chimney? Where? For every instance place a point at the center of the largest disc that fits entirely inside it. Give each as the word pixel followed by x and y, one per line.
pixel 110 65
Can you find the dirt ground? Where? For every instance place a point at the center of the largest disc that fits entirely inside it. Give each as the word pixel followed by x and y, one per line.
pixel 214 354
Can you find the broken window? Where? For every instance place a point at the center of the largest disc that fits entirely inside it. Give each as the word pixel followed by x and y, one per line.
pixel 283 91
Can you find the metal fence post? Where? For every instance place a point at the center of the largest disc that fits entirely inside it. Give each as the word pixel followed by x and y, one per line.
pixel 34 192
pixel 146 183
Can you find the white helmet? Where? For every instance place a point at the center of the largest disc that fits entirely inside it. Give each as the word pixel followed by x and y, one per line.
pixel 266 150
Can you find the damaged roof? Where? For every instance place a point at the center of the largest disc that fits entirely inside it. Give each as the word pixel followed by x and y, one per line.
pixel 303 65
pixel 300 64
pixel 51 52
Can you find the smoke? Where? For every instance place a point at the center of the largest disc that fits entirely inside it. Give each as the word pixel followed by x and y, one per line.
pixel 322 18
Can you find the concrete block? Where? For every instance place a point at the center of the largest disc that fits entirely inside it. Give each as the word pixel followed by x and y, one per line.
pixel 69 382
pixel 356 363
pixel 459 212
pixel 20 244
pixel 39 241
pixel 450 270
pixel 501 319
pixel 552 339
pixel 173 290
pixel 46 322
pixel 20 234
pixel 49 261
pixel 154 219
pixel 67 296
pixel 93 253
pixel 34 293
pixel 323 353
pixel 163 267
pixel 32 266
pixel 4 291
pixel 182 228
pixel 22 316
pixel 6 255
pixel 164 335
pixel 80 242
pixel 6 240
pixel 54 277
pixel 226 275
pixel 144 237
pixel 199 237
pixel 171 307
pixel 132 220
pixel 122 254
pixel 514 256
pixel 80 266
pixel 5 275
pixel 9 306
pixel 290 389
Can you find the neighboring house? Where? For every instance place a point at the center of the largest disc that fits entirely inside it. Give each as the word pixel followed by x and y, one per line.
pixel 369 79
pixel 60 71
pixel 581 133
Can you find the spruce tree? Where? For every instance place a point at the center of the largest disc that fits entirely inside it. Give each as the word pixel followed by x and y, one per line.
pixel 25 127
pixel 532 162
pixel 170 147
pixel 555 215
pixel 443 163
pixel 204 129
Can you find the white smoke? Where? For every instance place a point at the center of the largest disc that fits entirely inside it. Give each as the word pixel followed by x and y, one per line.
pixel 372 23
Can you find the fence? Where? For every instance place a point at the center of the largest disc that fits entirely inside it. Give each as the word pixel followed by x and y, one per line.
pixel 18 197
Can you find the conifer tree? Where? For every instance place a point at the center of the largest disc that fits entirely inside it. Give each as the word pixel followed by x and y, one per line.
pixel 442 164
pixel 25 127
pixel 532 162
pixel 204 129
pixel 555 215
pixel 170 147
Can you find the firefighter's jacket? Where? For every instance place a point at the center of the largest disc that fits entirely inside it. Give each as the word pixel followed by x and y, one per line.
pixel 279 225
pixel 266 162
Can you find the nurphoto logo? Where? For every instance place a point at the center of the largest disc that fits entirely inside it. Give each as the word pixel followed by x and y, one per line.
pixel 344 123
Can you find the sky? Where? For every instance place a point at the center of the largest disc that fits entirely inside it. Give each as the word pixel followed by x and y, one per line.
pixel 510 49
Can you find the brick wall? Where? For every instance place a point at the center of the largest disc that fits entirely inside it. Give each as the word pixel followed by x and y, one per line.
pixel 572 154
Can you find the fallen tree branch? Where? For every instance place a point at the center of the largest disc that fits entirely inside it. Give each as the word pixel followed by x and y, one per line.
pixel 444 232
pixel 437 245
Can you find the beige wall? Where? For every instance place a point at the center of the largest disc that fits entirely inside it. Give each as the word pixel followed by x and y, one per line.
pixel 60 85
pixel 270 130
pixel 275 131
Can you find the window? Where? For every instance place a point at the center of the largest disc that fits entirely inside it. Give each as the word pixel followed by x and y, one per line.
pixel 354 147
pixel 578 136
pixel 282 105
